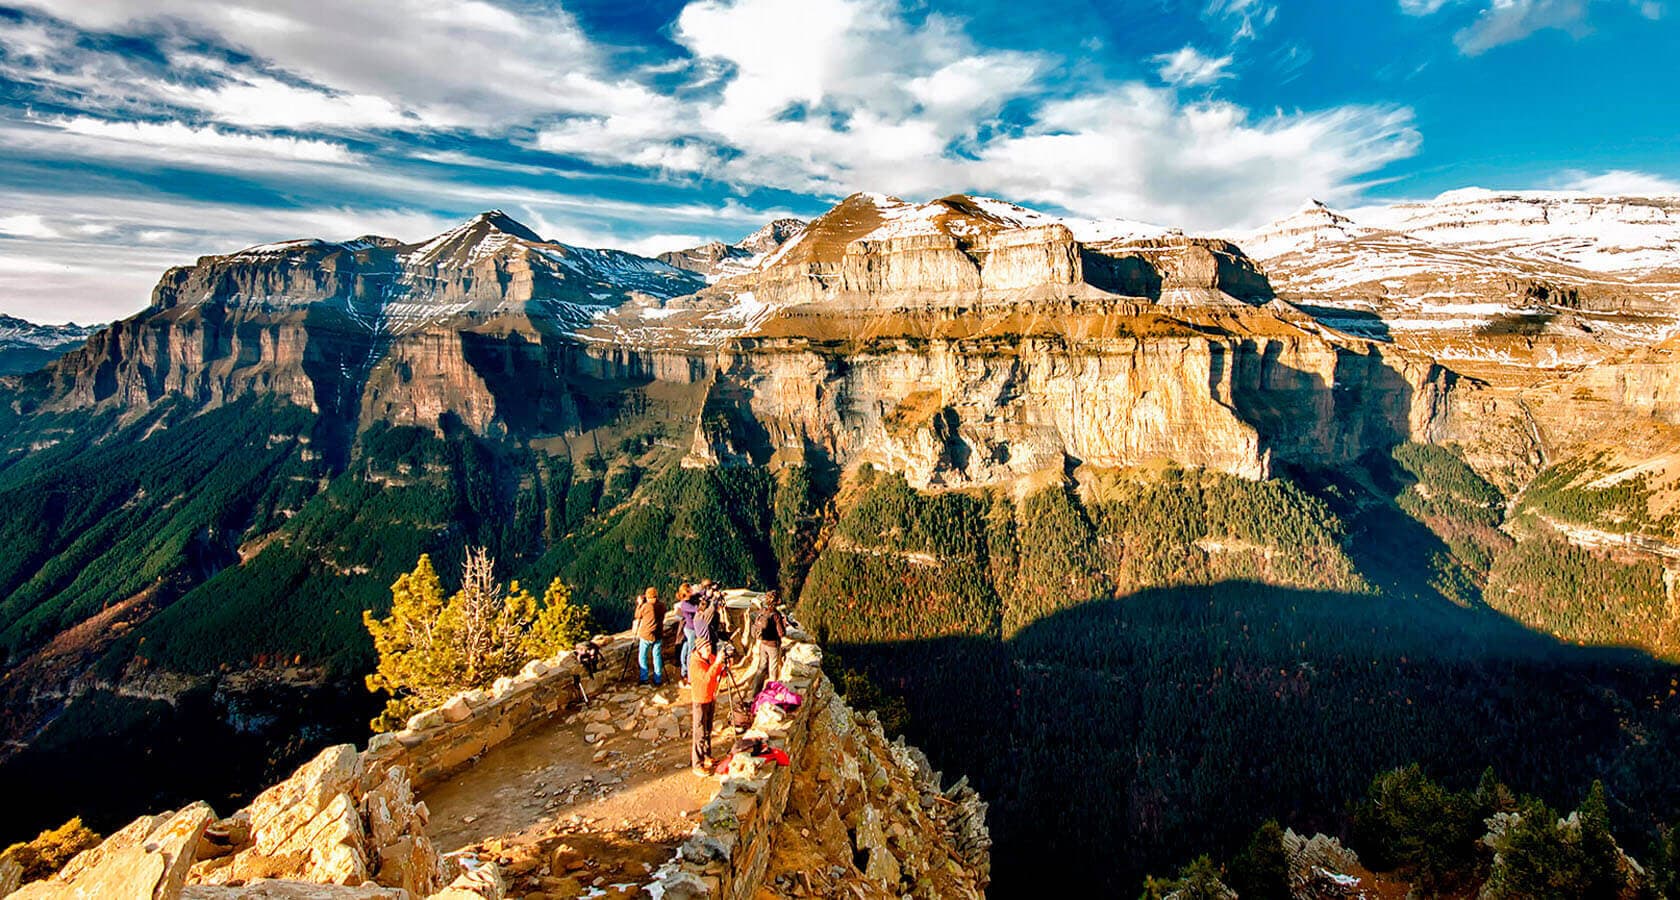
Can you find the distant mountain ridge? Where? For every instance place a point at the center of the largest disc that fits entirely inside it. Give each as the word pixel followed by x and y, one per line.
pixel 26 346
pixel 715 260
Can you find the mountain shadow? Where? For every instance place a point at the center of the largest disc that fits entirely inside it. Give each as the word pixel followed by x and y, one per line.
pixel 1121 737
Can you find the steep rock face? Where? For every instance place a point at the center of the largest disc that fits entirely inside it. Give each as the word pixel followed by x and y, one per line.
pixel 1178 271
pixel 370 327
pixel 946 411
pixel 879 252
pixel 962 340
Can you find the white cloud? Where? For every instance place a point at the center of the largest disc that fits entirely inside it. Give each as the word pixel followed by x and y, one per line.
pixel 1621 183
pixel 849 96
pixel 1424 7
pixel 1189 67
pixel 177 142
pixel 1507 21
pixel 399 63
pixel 1137 152
pixel 27 226
pixel 655 244
pixel 260 101
pixel 1246 17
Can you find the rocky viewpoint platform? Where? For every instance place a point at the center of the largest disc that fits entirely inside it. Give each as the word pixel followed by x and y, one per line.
pixel 527 790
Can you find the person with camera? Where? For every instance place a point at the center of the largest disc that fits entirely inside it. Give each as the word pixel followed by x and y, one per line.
pixel 705 669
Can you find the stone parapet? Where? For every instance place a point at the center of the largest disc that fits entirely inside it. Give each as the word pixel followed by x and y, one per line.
pixel 872 810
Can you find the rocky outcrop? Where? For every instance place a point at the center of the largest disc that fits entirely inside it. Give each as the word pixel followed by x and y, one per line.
pixel 150 858
pixel 349 825
pixel 852 815
pixel 715 259
pixel 345 824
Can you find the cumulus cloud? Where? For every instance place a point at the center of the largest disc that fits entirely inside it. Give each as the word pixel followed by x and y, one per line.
pixel 871 102
pixel 1189 67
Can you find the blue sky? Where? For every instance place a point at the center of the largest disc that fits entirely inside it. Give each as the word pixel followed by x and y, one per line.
pixel 139 134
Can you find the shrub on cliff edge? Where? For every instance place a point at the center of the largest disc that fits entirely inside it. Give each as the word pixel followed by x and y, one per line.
pixel 50 850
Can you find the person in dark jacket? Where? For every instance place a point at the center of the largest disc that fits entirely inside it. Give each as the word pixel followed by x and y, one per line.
pixel 650 623
pixel 711 628
pixel 768 626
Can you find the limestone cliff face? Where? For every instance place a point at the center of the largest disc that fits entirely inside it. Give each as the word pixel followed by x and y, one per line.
pixel 949 411
pixel 365 329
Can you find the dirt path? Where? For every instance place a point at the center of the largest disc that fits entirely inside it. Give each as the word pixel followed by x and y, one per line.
pixel 599 798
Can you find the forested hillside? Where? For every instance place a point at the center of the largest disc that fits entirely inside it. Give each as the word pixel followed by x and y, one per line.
pixel 1212 652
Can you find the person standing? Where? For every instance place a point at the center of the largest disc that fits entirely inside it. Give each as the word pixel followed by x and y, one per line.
pixel 769 625
pixel 706 628
pixel 705 669
pixel 686 608
pixel 650 622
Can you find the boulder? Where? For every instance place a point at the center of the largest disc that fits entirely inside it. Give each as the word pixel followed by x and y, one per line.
pixel 11 875
pixel 281 810
pixel 479 880
pixel 146 866
pixel 409 862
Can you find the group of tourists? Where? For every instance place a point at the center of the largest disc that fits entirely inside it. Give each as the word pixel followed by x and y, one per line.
pixel 708 645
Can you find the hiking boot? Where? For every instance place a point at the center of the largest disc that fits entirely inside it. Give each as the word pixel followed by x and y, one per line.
pixel 701 771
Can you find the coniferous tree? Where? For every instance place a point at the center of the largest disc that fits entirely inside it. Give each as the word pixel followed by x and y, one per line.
pixel 1261 870
pixel 429 647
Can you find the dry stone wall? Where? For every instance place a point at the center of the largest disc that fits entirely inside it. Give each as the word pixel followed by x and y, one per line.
pixel 439 742
pixel 345 824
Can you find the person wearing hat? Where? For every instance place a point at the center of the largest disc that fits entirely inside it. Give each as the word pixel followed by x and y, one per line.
pixel 705 669
pixel 650 622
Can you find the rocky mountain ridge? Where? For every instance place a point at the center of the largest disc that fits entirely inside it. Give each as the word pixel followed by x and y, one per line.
pixel 1487 279
pixel 26 346
pixel 715 259
pixel 1179 347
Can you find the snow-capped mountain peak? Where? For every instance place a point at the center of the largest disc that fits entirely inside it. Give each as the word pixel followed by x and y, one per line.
pixel 26 346
pixel 716 260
